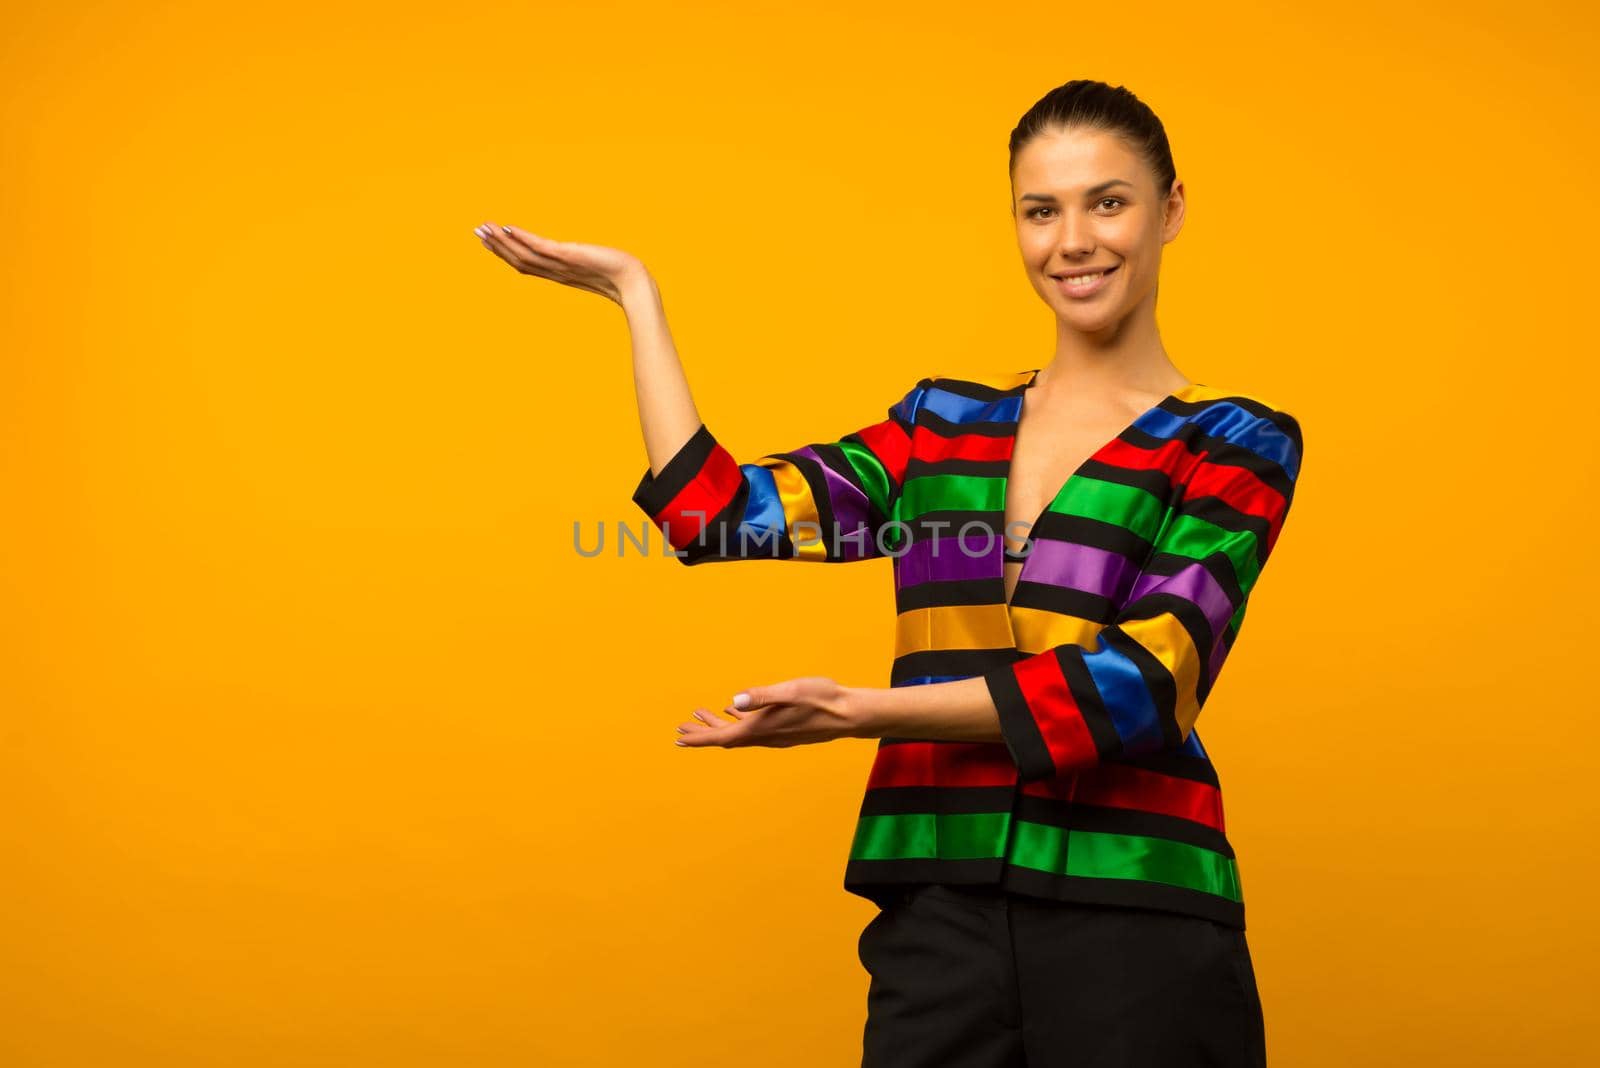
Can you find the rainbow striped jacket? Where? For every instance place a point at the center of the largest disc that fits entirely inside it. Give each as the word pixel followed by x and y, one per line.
pixel 1131 595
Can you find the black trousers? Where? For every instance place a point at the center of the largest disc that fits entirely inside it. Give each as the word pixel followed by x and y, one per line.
pixel 974 977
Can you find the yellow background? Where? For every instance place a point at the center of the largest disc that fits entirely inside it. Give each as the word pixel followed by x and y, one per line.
pixel 322 746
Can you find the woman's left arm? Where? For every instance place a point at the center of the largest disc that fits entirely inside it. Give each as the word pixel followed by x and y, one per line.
pixel 1141 686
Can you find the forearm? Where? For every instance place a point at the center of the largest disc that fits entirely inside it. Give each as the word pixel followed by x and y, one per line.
pixel 961 711
pixel 667 415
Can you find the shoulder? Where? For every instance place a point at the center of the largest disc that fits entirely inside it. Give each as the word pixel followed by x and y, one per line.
pixel 959 398
pixel 1231 419
pixel 974 385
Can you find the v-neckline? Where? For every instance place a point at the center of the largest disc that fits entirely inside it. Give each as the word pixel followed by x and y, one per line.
pixel 1005 487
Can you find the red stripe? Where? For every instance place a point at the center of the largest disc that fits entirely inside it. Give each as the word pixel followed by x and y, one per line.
pixel 707 493
pixel 931 447
pixel 891 445
pixel 931 763
pixel 1170 458
pixel 1051 704
pixel 1124 786
pixel 1242 490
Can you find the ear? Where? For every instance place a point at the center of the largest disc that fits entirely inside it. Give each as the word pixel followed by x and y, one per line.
pixel 1172 213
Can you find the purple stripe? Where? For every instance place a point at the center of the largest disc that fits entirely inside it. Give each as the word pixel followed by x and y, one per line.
pixel 953 560
pixel 851 514
pixel 1193 583
pixel 1080 567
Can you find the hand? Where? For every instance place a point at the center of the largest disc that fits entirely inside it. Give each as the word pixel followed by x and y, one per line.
pixel 594 268
pixel 796 712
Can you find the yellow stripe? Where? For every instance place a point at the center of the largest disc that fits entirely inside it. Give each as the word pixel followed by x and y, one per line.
pixel 967 626
pixel 1169 642
pixel 794 494
pixel 1039 629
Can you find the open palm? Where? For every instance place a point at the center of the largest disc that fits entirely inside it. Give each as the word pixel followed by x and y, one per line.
pixel 594 268
pixel 795 712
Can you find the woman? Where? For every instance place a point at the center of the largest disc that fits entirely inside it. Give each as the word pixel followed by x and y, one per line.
pixel 1042 828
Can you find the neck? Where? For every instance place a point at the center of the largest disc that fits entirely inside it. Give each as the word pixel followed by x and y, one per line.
pixel 1126 357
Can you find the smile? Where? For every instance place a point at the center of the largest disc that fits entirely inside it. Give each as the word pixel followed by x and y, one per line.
pixel 1084 284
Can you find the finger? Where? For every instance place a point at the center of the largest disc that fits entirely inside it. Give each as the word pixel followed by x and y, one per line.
pixel 703 735
pixel 495 242
pixel 757 696
pixel 515 253
pixel 534 244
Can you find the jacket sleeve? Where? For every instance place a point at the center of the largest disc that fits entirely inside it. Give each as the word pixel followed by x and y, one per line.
pixel 828 502
pixel 1140 688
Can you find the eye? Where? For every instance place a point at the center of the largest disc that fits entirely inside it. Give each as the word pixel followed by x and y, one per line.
pixel 1035 212
pixel 1110 200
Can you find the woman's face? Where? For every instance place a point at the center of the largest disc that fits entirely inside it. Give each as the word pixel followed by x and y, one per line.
pixel 1083 200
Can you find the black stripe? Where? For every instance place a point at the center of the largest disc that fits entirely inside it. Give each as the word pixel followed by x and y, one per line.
pixel 817 482
pixel 960 663
pixel 1092 533
pixel 1176 763
pixel 656 492
pixel 899 800
pixel 987 428
pixel 834 458
pixel 978 391
pixel 1194 622
pixel 1107 742
pixel 1153 480
pixel 1222 453
pixel 984 591
pixel 1017 727
pixel 1079 604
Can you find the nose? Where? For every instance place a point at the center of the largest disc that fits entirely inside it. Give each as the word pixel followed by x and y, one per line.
pixel 1076 238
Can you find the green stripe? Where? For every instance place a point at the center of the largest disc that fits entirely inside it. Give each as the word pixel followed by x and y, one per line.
pixel 1195 538
pixel 958 835
pixel 870 470
pixel 937 493
pixel 1127 506
pixel 1098 855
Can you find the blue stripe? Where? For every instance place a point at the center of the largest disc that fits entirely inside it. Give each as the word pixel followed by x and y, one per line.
pixel 1231 423
pixel 954 408
pixel 1125 698
pixel 905 409
pixel 763 508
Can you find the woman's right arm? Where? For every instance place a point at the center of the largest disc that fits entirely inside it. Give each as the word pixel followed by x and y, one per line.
pixel 829 501
pixel 667 415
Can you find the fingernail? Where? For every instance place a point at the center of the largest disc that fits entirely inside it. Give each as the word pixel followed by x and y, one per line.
pixel 680 741
pixel 740 700
pixel 507 229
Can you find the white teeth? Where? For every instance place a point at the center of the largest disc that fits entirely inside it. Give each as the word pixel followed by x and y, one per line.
pixel 1084 279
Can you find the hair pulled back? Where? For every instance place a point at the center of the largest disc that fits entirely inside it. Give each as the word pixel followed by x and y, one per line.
pixel 1083 102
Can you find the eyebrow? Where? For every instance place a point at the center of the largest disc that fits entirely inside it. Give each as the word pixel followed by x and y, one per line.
pixel 1091 191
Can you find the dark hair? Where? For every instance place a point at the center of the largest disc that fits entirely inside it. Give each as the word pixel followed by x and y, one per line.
pixel 1083 102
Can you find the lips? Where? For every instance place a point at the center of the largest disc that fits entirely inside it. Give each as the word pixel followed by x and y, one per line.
pixel 1071 286
pixel 1065 275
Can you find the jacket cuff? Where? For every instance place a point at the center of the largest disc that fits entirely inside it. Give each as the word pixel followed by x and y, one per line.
pixel 1018 726
pixel 655 492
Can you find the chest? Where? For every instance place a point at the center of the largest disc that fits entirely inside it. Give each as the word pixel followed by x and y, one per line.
pixel 1044 459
